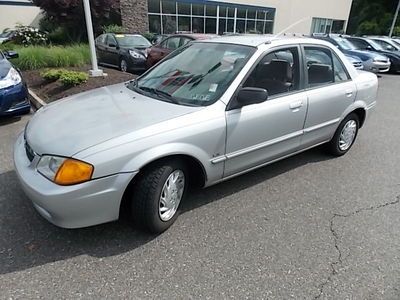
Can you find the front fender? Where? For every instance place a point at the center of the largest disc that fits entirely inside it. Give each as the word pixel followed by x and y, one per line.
pixel 212 172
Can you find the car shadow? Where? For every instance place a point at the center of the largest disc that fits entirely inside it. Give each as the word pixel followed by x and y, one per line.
pixel 9 120
pixel 27 240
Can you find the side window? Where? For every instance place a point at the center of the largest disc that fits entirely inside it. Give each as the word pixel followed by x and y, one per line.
pixel 163 44
pixel 278 72
pixel 385 45
pixel 339 70
pixel 184 41
pixel 173 43
pixel 110 40
pixel 319 66
pixel 101 39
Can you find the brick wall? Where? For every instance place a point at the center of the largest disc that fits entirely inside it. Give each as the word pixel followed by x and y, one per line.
pixel 134 15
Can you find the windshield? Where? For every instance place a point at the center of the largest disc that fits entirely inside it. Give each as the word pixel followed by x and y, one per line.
pixel 195 75
pixel 345 44
pixel 375 45
pixel 134 41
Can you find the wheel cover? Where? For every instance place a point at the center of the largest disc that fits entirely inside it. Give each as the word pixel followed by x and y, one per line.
pixel 124 65
pixel 347 135
pixel 171 195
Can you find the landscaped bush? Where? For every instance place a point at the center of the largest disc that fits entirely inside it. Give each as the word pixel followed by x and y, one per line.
pixel 27 35
pixel 38 57
pixel 113 28
pixel 53 74
pixel 71 78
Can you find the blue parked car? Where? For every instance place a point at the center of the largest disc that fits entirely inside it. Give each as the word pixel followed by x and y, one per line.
pixel 372 61
pixel 13 90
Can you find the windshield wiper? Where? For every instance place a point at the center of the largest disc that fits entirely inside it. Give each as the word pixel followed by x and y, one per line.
pixel 159 93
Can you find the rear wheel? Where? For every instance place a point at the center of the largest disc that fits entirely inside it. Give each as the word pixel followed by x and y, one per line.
pixel 344 136
pixel 157 195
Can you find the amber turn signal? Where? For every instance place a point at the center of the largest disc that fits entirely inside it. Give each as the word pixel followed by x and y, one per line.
pixel 73 171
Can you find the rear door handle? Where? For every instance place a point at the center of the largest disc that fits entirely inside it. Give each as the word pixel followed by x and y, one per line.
pixel 295 106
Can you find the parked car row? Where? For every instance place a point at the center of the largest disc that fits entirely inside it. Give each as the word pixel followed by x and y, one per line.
pixel 133 52
pixel 378 54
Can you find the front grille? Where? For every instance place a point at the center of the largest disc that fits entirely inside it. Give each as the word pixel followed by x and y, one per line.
pixel 29 152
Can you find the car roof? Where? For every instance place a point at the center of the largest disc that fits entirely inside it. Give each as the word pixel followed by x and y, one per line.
pixel 255 40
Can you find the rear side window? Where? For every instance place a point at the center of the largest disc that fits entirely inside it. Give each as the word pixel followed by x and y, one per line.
pixel 319 66
pixel 101 39
pixel 184 41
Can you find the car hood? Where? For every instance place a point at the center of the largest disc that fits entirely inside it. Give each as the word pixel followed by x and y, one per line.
pixel 69 126
pixel 366 55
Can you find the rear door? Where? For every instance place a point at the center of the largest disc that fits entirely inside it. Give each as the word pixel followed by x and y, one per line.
pixel 330 91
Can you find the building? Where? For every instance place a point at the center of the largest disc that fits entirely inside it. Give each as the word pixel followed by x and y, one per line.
pixel 13 12
pixel 235 16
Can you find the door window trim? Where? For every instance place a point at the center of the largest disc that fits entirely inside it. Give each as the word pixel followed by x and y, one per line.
pixel 302 82
pixel 305 73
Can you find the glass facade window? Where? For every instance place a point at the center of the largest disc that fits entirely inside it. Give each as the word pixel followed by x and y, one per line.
pixel 321 25
pixel 168 16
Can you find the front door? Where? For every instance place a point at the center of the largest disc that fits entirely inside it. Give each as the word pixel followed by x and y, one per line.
pixel 263 132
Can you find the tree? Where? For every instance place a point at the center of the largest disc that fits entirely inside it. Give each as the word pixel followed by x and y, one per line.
pixel 371 17
pixel 69 15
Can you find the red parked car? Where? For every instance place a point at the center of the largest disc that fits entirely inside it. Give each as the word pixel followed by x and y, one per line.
pixel 171 43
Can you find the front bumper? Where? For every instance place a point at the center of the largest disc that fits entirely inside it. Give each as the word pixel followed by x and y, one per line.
pixel 81 205
pixel 137 64
pixel 376 66
pixel 14 100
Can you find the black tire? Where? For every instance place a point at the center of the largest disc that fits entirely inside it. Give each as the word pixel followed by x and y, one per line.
pixel 123 68
pixel 333 146
pixel 146 195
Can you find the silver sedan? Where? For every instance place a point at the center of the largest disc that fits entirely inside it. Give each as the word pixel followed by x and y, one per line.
pixel 208 112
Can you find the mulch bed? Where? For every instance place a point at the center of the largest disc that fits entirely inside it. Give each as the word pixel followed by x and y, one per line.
pixel 50 91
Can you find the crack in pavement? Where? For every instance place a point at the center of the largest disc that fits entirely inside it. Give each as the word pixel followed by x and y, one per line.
pixel 336 237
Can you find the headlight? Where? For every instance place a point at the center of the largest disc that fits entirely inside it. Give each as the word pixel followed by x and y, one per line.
pixel 64 171
pixel 135 54
pixel 12 78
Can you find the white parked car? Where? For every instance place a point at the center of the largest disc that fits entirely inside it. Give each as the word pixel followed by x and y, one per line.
pixel 210 111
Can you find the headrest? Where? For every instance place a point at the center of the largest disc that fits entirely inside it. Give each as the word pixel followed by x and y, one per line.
pixel 319 73
pixel 277 69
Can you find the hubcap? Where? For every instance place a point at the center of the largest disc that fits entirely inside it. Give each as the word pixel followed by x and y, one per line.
pixel 171 195
pixel 347 135
pixel 124 66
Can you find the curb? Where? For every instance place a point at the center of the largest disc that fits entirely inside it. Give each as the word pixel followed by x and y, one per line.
pixel 35 99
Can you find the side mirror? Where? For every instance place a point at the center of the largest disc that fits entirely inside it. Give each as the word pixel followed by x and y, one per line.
pixel 112 45
pixel 369 48
pixel 250 95
pixel 11 54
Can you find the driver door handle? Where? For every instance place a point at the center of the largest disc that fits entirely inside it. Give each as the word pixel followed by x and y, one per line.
pixel 295 106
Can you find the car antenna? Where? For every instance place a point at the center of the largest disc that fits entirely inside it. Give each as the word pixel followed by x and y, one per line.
pixel 291 26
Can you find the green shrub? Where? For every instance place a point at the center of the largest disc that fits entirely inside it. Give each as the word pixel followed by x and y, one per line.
pixel 71 78
pixel 38 57
pixel 113 28
pixel 53 74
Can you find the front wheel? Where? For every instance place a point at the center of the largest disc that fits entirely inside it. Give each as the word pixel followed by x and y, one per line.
pixel 123 65
pixel 157 195
pixel 344 136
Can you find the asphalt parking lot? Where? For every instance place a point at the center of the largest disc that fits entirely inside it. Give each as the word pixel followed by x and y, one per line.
pixel 309 227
